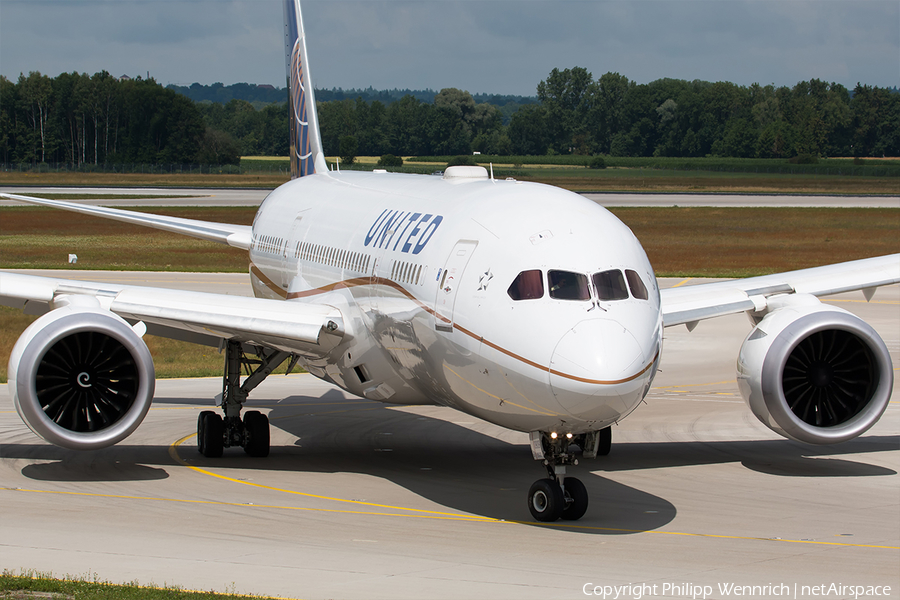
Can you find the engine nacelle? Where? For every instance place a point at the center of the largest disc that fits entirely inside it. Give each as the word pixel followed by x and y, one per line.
pixel 814 373
pixel 81 378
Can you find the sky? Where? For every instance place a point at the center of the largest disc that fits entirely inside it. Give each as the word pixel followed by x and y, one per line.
pixel 483 46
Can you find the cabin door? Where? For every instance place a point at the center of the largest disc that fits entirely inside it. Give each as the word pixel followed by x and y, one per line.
pixel 450 278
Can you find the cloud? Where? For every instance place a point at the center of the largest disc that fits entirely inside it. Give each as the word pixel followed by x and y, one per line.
pixel 499 46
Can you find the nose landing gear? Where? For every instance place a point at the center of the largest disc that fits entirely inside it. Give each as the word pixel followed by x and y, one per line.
pixel 554 498
pixel 559 496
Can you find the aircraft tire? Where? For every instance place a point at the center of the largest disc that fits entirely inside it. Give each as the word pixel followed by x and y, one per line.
pixel 545 500
pixel 210 434
pixel 257 426
pixel 579 495
pixel 605 442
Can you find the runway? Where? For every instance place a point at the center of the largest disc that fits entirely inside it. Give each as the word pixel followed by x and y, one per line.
pixel 743 200
pixel 146 196
pixel 253 197
pixel 364 500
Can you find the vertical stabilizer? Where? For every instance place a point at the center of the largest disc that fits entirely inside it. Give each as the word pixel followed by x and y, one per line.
pixel 307 156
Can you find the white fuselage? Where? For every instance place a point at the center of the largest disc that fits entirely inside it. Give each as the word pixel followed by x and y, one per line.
pixel 425 270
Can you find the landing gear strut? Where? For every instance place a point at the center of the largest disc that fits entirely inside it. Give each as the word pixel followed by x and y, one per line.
pixel 559 496
pixel 214 433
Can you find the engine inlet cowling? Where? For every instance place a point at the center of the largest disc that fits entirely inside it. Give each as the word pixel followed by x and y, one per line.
pixel 815 373
pixel 81 378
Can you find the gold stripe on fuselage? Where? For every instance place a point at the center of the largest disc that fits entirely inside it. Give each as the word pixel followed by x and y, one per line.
pixel 373 281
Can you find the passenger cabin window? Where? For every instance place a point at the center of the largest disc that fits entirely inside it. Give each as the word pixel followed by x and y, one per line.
pixel 565 285
pixel 527 285
pixel 638 289
pixel 611 285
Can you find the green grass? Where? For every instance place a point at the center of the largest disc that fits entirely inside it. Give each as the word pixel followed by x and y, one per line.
pixel 743 242
pixel 255 179
pixel 825 166
pixel 265 163
pixel 832 175
pixel 30 586
pixel 42 238
pixel 54 196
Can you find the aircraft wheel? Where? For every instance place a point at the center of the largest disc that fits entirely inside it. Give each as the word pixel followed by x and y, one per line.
pixel 210 434
pixel 256 426
pixel 576 491
pixel 605 442
pixel 545 500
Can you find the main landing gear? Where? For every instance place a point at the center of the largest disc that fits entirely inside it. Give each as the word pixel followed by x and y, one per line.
pixel 559 496
pixel 214 433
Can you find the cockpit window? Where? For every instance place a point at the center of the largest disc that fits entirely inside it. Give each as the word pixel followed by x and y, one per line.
pixel 565 285
pixel 527 285
pixel 611 285
pixel 638 289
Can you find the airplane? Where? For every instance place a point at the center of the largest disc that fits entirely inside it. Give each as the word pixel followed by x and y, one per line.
pixel 522 304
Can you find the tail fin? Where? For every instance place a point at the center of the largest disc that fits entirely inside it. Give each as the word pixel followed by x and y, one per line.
pixel 307 156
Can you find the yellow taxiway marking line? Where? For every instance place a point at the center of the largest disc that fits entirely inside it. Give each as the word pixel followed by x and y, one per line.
pixel 718 536
pixel 173 452
pixel 432 515
pixel 681 283
pixel 436 515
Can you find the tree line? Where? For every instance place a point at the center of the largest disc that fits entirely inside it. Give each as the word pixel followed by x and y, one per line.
pixel 261 95
pixel 83 120
pixel 668 117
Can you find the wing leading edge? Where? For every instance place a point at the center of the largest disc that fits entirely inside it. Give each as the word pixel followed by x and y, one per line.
pixel 200 317
pixel 693 303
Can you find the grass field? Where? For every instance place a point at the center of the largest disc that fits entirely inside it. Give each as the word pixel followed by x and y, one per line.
pixel 709 242
pixel 44 587
pixel 632 178
pixel 655 180
pixel 42 238
pixel 701 241
pixel 253 180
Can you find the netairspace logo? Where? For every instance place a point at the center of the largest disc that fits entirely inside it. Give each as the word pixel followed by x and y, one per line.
pixel 636 591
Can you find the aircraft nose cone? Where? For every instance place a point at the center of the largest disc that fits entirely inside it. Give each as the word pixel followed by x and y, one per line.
pixel 597 370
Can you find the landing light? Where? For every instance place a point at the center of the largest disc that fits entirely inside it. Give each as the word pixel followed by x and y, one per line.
pixel 553 435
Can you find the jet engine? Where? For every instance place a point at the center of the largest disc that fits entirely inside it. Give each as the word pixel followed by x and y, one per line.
pixel 81 377
pixel 814 373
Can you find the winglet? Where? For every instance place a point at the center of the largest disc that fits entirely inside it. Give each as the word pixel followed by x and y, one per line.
pixel 307 156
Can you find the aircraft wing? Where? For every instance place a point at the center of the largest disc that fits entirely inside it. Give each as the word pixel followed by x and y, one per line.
pixel 693 303
pixel 199 317
pixel 237 236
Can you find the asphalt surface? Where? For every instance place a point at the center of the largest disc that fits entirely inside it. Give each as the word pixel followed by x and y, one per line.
pixel 744 200
pixel 147 196
pixel 364 500
pixel 253 197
